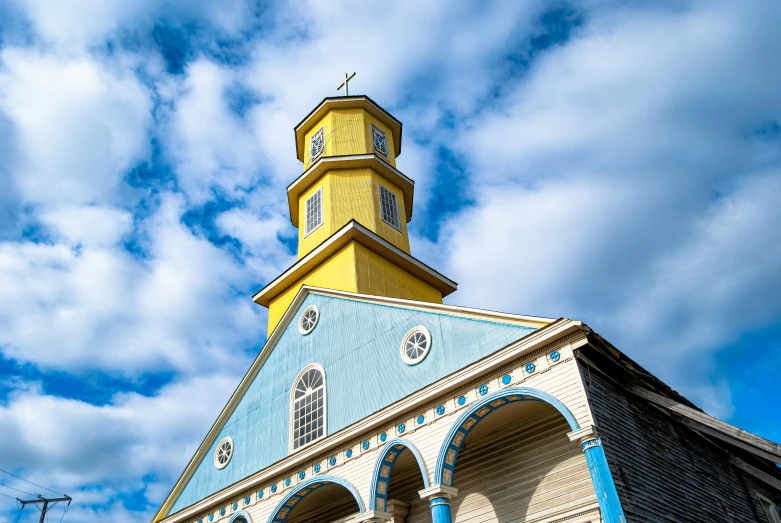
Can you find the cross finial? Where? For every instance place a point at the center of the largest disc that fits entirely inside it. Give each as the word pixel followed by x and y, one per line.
pixel 347 78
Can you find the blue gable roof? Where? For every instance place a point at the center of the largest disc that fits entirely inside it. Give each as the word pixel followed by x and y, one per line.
pixel 352 338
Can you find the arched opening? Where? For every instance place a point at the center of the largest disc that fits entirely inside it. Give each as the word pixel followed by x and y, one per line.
pixel 399 474
pixel 240 516
pixel 319 499
pixel 511 459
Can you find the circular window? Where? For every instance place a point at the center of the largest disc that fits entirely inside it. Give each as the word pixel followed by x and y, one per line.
pixel 308 320
pixel 415 345
pixel 224 452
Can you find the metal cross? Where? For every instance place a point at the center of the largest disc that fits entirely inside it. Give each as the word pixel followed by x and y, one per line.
pixel 347 78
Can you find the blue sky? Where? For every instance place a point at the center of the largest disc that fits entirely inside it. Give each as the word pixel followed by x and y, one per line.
pixel 613 162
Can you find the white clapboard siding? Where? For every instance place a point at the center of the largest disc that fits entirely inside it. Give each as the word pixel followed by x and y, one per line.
pixel 543 474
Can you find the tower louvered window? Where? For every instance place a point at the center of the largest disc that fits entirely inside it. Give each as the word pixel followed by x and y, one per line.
pixel 313 212
pixel 379 141
pixel 308 407
pixel 389 207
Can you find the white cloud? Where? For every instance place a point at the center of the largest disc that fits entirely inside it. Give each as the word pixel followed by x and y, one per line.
pixel 79 125
pixel 97 454
pixel 620 184
pixel 103 308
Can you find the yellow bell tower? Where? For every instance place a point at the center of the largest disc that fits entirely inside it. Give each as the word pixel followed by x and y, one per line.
pixel 351 207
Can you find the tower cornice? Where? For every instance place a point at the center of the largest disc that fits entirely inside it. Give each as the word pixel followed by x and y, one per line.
pixel 354 231
pixel 355 161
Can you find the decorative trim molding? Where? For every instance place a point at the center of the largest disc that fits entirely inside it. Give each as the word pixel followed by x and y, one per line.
pixel 438 491
pixel 583 435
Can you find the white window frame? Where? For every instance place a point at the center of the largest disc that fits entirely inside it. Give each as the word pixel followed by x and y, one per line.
pixel 319 194
pixel 313 157
pixel 291 439
pixel 396 226
pixel 769 508
pixel 217 464
pixel 377 130
pixel 420 329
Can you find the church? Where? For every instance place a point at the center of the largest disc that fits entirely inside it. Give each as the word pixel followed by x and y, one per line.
pixel 372 401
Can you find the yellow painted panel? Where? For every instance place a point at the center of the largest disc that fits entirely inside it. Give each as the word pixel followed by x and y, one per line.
pixel 337 272
pixel 350 194
pixel 348 132
pixel 379 277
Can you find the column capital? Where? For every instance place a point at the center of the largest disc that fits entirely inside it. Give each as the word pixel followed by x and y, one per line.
pixel 584 434
pixel 438 491
pixel 397 509
pixel 373 516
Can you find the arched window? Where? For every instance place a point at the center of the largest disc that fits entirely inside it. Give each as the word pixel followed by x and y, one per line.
pixel 308 406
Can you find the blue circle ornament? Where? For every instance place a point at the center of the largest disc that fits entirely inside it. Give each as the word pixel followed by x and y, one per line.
pixel 365 444
pixel 247 500
pixel 200 521
pixel 332 460
pixel 211 517
pixel 260 494
pixel 287 482
pixel 506 379
pixel 235 506
pixel 461 400
pixel 301 475
pixel 530 368
pixel 421 419
pixel 273 488
pixel 483 390
pixel 317 468
pixel 349 453
pixel 440 410
pixel 383 437
pixel 555 356
pixel 222 511
pixel 401 428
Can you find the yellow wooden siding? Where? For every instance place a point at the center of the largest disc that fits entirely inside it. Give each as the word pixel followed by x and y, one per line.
pixel 337 273
pixel 347 132
pixel 379 277
pixel 324 121
pixel 398 238
pixel 350 194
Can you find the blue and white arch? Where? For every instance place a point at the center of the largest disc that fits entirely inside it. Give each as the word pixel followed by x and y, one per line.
pixel 444 470
pixel 291 500
pixel 390 453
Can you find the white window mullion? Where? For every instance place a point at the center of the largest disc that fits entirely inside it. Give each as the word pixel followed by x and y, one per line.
pixel 313 212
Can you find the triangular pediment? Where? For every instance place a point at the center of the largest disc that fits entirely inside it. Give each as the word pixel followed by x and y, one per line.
pixel 355 335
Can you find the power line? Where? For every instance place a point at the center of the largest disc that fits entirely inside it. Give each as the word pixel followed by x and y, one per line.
pixel 30 482
pixel 6 495
pixel 18 490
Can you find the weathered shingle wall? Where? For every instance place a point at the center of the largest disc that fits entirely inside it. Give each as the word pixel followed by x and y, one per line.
pixel 665 472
